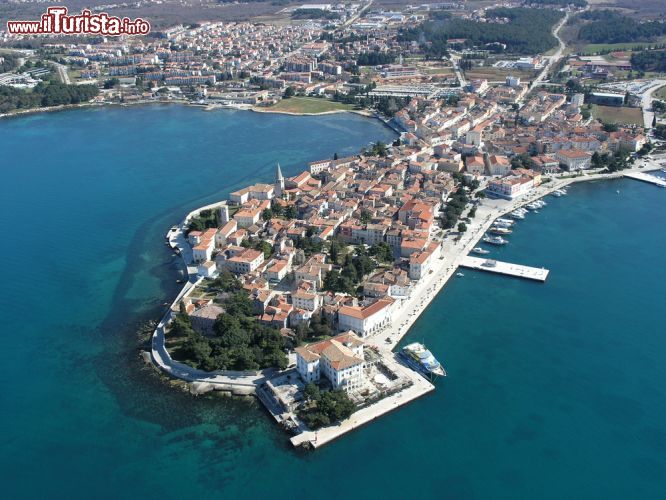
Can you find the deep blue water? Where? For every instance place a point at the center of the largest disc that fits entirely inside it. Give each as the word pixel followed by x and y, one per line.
pixel 555 390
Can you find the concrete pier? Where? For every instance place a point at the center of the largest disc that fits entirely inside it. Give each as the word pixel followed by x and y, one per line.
pixel 419 387
pixel 498 267
pixel 652 179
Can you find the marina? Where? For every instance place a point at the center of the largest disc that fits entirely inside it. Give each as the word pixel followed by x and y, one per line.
pixel 506 268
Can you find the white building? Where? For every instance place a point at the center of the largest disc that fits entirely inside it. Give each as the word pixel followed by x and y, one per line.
pixel 204 244
pixel 421 262
pixel 245 262
pixel 339 359
pixel 512 81
pixel 573 159
pixel 306 300
pixel 366 320
pixel 498 165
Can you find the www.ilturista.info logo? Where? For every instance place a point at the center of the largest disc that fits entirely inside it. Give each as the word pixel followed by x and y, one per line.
pixel 56 21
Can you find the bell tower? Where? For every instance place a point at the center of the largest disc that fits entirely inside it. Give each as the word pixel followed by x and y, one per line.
pixel 279 181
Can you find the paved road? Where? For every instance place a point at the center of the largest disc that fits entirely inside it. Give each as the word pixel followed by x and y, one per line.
pixel 646 102
pixel 62 73
pixel 455 61
pixel 359 14
pixel 556 56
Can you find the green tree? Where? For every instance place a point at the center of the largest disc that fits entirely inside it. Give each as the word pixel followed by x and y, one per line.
pixel 312 392
pixel 382 252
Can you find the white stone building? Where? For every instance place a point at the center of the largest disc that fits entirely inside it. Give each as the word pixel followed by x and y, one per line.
pixel 339 359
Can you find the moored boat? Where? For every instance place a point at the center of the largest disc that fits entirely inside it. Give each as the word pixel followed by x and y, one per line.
pixel 495 240
pixel 480 251
pixel 499 230
pixel 422 360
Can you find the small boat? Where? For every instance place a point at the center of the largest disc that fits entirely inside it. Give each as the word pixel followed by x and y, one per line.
pixel 517 215
pixel 495 240
pixel 421 359
pixel 460 275
pixel 533 206
pixel 499 230
pixel 618 191
pixel 507 222
pixel 480 251
pixel 556 194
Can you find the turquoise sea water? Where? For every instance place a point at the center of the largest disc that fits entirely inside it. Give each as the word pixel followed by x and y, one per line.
pixel 556 390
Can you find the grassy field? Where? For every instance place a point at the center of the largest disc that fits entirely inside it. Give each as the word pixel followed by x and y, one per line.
pixel 612 114
pixel 600 47
pixel 437 71
pixel 497 74
pixel 660 93
pixel 309 105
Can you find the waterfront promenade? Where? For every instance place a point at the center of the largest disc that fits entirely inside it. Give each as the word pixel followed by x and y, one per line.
pixel 453 253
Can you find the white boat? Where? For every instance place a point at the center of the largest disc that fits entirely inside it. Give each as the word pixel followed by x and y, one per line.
pixel 421 359
pixel 480 251
pixel 533 206
pixel 504 222
pixel 556 194
pixel 500 230
pixel 495 240
pixel 460 275
pixel 517 215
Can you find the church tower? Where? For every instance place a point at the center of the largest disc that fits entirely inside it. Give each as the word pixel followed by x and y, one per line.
pixel 279 182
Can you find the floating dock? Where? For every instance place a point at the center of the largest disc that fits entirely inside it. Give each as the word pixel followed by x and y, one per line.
pixel 515 270
pixel 652 179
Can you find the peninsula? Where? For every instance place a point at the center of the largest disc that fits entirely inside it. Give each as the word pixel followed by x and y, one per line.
pixel 300 289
